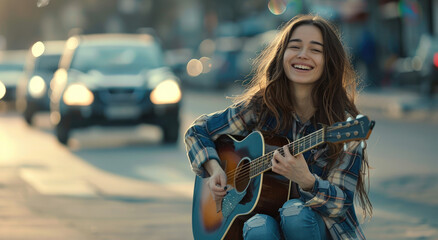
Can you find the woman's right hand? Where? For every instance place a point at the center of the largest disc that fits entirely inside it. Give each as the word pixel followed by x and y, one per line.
pixel 218 180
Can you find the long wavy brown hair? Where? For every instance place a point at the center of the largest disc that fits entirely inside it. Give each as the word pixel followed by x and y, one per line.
pixel 269 90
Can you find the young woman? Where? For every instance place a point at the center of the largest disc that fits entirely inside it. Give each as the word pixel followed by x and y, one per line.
pixel 302 80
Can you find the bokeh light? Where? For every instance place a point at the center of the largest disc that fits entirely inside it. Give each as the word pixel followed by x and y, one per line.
pixel 2 90
pixel 38 49
pixel 167 92
pixel 37 86
pixel 206 64
pixel 207 47
pixel 78 94
pixel 277 7
pixel 72 43
pixel 194 67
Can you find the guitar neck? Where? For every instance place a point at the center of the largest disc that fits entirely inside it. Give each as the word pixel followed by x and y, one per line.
pixel 263 163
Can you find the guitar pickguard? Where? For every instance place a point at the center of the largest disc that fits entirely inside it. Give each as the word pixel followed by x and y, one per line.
pixel 230 202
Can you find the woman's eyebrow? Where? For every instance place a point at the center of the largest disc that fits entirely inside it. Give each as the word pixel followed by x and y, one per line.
pixel 299 40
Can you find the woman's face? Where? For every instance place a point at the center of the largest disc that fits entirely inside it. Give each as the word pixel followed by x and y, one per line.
pixel 303 60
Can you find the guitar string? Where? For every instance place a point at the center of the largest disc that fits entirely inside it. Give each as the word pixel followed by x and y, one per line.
pixel 258 161
pixel 262 160
pixel 268 156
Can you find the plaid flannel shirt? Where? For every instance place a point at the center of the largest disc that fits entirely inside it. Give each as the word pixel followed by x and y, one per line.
pixel 333 192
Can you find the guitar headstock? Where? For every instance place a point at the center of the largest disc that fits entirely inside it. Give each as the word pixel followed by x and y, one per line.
pixel 355 129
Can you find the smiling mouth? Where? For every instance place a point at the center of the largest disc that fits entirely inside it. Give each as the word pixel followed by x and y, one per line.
pixel 302 67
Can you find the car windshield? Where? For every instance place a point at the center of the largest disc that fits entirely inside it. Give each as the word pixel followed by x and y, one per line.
pixel 47 63
pixel 125 59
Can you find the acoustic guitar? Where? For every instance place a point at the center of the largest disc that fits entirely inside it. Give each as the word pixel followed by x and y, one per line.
pixel 252 186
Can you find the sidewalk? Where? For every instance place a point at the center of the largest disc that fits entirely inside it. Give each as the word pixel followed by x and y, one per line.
pixel 26 214
pixel 47 192
pixel 397 103
pixel 18 222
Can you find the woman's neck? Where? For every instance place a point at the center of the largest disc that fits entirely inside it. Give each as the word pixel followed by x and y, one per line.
pixel 303 103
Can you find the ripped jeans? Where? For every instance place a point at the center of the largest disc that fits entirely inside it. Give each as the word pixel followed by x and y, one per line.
pixel 297 222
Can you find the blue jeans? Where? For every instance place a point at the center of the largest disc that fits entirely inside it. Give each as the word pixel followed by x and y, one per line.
pixel 297 222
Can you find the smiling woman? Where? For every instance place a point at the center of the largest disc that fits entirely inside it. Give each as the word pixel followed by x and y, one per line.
pixel 302 82
pixel 303 60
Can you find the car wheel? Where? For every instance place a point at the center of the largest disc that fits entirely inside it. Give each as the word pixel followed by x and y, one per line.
pixel 170 132
pixel 62 131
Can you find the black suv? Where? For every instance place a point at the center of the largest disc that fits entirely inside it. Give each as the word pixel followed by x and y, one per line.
pixel 114 79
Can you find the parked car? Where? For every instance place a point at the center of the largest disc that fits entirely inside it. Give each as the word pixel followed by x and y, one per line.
pixel 11 69
pixel 33 89
pixel 9 75
pixel 114 79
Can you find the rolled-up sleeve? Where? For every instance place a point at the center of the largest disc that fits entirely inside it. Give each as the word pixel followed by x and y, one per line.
pixel 333 197
pixel 199 138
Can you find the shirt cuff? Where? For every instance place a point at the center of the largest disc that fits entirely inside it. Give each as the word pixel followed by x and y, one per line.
pixel 210 154
pixel 308 195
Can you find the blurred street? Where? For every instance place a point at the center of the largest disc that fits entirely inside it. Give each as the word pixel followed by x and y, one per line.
pixel 95 98
pixel 122 184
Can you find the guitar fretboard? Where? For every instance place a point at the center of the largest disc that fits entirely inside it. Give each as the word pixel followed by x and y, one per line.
pixel 263 163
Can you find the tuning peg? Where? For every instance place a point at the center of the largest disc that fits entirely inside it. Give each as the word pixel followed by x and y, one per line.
pixel 349 119
pixel 363 144
pixel 359 116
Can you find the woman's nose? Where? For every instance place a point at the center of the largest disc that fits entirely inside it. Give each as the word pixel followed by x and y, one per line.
pixel 302 53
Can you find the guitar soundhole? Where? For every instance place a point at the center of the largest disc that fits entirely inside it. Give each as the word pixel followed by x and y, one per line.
pixel 242 178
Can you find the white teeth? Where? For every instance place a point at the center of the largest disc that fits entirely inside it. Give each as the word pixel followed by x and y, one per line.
pixel 302 67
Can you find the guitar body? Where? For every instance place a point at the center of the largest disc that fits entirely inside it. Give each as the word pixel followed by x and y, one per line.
pixel 245 198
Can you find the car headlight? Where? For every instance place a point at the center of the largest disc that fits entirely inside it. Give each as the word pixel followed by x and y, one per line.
pixel 167 92
pixel 78 94
pixel 37 87
pixel 2 90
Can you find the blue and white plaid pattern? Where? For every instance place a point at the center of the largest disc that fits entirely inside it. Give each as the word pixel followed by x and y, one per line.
pixel 333 192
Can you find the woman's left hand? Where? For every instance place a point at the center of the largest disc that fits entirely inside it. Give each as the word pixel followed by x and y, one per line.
pixel 294 168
